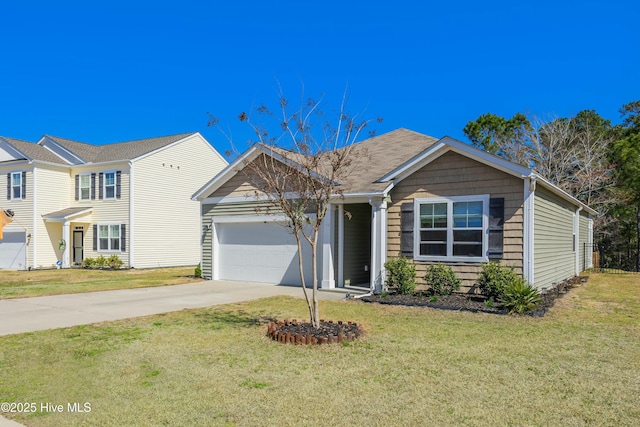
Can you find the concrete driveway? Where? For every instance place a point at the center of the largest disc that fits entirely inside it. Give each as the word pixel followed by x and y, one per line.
pixel 39 313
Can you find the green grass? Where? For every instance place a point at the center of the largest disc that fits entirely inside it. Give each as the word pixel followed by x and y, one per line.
pixel 579 365
pixel 20 284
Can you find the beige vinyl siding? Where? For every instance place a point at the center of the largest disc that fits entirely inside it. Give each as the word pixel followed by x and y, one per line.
pixel 166 228
pixel 22 208
pixel 584 261
pixel 554 258
pixel 103 211
pixel 455 175
pixel 54 194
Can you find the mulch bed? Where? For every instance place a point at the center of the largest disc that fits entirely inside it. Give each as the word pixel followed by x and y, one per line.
pixel 294 332
pixel 473 302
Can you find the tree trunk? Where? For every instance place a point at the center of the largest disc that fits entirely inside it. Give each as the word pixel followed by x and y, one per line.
pixel 304 286
pixel 315 319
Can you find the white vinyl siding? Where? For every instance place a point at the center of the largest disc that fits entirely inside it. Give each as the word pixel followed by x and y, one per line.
pixel 103 211
pixel 22 208
pixel 166 229
pixel 53 194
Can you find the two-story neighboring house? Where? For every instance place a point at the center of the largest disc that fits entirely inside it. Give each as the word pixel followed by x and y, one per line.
pixel 73 200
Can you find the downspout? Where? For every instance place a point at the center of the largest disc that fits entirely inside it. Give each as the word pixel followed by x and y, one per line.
pixel 131 215
pixel 34 235
pixel 576 227
pixel 529 229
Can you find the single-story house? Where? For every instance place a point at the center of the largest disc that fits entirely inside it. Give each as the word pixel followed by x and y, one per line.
pixel 432 200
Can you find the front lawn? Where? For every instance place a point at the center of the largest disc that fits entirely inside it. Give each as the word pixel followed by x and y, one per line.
pixel 580 364
pixel 19 284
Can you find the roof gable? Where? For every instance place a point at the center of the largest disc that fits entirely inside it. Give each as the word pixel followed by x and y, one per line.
pixel 371 158
pixel 30 151
pixel 128 150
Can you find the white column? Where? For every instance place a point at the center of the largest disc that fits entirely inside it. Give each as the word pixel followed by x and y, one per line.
pixel 378 243
pixel 327 278
pixel 340 246
pixel 66 235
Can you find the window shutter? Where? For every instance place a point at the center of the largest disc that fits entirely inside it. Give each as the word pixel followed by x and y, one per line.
pixel 123 237
pixel 77 187
pixel 406 230
pixel 100 185
pixel 24 184
pixel 496 228
pixel 93 186
pixel 9 186
pixel 118 179
pixel 95 237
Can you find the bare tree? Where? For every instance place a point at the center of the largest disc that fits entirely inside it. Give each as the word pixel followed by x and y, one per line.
pixel 306 155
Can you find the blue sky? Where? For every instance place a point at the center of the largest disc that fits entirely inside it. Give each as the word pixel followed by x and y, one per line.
pixel 112 71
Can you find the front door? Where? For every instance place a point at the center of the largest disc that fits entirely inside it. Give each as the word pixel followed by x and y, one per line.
pixel 78 251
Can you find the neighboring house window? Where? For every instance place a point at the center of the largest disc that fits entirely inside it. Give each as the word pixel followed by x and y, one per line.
pixel 85 187
pixel 16 185
pixel 452 229
pixel 109 237
pixel 110 185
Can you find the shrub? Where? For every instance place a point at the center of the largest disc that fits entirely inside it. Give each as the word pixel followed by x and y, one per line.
pixel 401 275
pixel 520 297
pixel 101 262
pixel 441 279
pixel 494 279
pixel 198 271
pixel 114 262
pixel 88 263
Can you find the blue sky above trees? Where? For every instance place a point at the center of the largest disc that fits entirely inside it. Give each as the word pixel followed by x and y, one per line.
pixel 113 71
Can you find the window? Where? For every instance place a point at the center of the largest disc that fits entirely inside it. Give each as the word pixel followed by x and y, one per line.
pixel 109 237
pixel 452 229
pixel 85 187
pixel 110 185
pixel 16 185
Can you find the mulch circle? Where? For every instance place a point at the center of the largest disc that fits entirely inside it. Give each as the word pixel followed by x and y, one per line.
pixel 294 332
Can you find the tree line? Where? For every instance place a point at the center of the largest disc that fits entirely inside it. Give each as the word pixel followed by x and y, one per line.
pixel 585 155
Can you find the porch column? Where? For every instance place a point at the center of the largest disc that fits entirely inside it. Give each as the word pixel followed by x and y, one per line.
pixel 327 278
pixel 66 236
pixel 378 243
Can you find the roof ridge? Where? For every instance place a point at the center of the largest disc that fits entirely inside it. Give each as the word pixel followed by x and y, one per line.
pixel 147 139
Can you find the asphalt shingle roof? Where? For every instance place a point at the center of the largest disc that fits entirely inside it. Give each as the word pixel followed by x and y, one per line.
pixel 375 157
pixel 34 151
pixel 117 151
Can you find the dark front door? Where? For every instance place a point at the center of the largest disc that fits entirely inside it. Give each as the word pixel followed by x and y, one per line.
pixel 78 250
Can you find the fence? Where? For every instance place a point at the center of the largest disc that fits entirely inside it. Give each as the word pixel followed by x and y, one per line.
pixel 607 259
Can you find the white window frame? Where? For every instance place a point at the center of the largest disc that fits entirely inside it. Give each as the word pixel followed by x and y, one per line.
pixel 104 185
pixel 110 237
pixel 19 185
pixel 80 198
pixel 484 198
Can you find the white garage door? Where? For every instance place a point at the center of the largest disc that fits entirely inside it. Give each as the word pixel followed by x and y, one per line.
pixel 260 252
pixel 13 249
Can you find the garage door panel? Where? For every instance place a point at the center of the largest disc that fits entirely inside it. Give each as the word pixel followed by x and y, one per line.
pixel 13 250
pixel 260 252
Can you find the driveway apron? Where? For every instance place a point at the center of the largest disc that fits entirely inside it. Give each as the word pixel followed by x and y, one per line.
pixel 40 313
